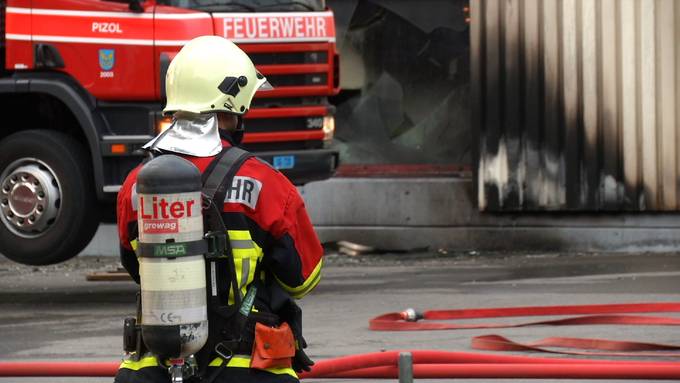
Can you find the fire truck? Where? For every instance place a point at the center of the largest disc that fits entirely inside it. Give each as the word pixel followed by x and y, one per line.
pixel 82 90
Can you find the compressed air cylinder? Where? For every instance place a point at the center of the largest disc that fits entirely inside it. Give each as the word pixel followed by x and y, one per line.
pixel 171 262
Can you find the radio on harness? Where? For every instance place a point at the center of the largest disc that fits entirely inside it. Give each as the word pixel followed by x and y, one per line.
pixel 174 320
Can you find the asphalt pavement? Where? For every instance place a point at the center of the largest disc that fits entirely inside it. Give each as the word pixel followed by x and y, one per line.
pixel 53 313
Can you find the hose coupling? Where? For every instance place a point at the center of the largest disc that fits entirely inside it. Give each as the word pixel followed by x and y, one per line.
pixel 411 315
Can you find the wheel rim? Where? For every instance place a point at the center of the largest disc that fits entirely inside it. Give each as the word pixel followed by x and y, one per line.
pixel 30 197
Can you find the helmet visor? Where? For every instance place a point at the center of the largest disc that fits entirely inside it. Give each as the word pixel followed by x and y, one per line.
pixel 265 86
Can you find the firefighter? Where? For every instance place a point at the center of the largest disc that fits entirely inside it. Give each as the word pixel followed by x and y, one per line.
pixel 210 85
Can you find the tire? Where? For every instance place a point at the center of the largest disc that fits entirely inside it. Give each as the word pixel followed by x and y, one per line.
pixel 48 208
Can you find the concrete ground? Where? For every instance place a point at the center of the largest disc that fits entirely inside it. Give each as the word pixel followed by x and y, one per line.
pixel 53 313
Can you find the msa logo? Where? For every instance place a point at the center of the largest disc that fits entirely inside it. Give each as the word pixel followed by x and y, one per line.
pixel 170 250
pixel 244 190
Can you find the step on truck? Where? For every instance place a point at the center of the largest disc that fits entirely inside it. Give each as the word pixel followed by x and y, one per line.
pixel 82 90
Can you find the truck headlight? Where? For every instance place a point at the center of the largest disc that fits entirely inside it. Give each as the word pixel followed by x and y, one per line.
pixel 328 128
pixel 163 124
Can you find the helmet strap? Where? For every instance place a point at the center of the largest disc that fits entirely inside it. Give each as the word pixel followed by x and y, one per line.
pixel 237 136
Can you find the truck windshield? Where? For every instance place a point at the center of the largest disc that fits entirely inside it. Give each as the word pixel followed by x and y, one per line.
pixel 248 5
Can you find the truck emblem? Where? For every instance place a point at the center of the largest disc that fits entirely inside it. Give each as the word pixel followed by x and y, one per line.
pixel 107 58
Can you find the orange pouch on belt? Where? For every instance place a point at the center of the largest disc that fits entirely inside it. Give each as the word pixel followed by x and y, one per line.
pixel 273 347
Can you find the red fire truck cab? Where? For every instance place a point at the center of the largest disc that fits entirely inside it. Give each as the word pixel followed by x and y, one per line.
pixel 82 90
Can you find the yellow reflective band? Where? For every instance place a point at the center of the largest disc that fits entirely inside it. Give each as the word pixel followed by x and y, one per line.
pixel 241 243
pixel 309 285
pixel 244 362
pixel 135 244
pixel 147 361
pixel 239 235
pixel 244 253
pixel 236 361
pixel 246 259
pixel 238 266
pixel 255 259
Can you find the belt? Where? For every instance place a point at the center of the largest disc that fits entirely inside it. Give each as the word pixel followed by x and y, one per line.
pixel 247 335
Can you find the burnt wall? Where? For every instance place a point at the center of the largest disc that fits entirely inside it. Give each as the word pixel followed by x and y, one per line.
pixel 577 103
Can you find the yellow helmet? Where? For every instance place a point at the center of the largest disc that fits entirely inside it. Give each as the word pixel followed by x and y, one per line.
pixel 212 74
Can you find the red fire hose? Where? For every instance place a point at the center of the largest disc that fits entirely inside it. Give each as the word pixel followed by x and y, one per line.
pixel 612 347
pixel 410 320
pixel 449 365
pixel 427 364
pixel 348 366
pixel 595 314
pixel 442 364
pixel 92 369
pixel 518 371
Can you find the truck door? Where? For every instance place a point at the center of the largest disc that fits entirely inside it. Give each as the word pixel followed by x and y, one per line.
pixel 104 45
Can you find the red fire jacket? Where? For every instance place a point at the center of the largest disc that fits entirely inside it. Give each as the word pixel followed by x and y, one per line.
pixel 261 206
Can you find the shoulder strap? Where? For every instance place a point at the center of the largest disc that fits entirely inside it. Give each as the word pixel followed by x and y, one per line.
pixel 221 170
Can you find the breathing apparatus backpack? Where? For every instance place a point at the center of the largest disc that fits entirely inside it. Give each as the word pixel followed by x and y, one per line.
pixel 176 206
pixel 172 321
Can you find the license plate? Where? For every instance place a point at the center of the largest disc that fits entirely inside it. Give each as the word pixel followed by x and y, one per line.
pixel 284 162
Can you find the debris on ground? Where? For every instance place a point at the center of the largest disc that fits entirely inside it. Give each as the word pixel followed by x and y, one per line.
pixel 353 249
pixel 109 276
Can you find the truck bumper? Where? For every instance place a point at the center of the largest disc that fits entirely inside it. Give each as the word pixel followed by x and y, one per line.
pixel 300 166
pixel 303 166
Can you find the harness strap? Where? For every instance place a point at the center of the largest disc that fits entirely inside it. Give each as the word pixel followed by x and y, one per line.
pixel 216 179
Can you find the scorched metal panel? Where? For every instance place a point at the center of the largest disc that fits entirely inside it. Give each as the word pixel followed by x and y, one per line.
pixel 576 103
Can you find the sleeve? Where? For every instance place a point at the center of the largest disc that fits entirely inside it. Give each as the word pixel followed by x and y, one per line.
pixel 296 256
pixel 126 217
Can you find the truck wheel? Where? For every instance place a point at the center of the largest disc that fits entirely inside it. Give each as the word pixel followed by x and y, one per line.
pixel 47 203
